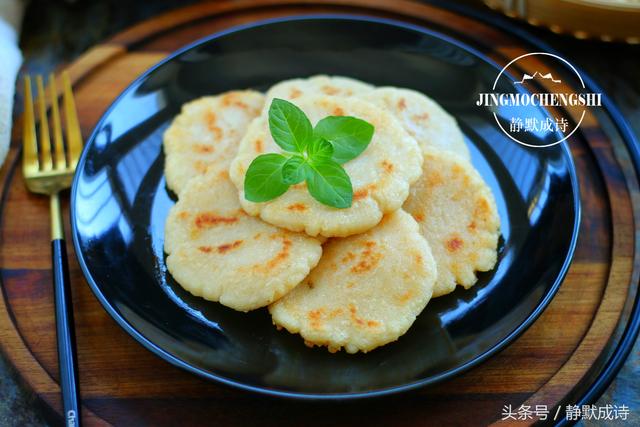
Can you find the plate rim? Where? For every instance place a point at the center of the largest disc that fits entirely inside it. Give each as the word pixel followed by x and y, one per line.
pixel 443 376
pixel 631 332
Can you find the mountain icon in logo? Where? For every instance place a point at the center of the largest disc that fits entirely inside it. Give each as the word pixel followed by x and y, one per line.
pixel 547 76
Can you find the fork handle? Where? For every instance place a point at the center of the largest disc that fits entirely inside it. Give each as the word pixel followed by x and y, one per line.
pixel 67 359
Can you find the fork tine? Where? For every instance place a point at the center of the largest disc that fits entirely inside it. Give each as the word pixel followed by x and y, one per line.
pixel 60 158
pixel 74 136
pixel 46 162
pixel 30 153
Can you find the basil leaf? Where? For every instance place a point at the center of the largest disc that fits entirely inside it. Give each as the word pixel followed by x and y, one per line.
pixel 329 184
pixel 319 149
pixel 263 180
pixel 289 126
pixel 349 136
pixel 294 170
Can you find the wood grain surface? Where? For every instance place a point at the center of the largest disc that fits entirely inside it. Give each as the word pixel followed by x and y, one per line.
pixel 124 384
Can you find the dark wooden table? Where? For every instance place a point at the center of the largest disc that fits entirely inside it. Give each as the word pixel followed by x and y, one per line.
pixel 56 32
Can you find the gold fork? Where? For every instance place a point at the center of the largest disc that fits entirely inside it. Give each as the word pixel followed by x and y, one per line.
pixel 48 169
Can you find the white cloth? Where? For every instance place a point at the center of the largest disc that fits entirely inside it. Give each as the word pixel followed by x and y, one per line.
pixel 10 59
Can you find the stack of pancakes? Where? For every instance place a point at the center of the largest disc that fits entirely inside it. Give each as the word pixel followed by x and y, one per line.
pixel 422 219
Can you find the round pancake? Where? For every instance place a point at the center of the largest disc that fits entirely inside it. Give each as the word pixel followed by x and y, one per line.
pixel 206 134
pixel 380 176
pixel 458 216
pixel 218 252
pixel 422 118
pixel 366 290
pixel 294 89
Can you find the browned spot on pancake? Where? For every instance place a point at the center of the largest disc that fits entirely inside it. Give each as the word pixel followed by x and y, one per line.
pixel 417 258
pixel 315 317
pixel 472 226
pixel 354 317
pixel 282 255
pixel 402 104
pixel 241 105
pixel 338 111
pixel 435 179
pixel 223 174
pixel 315 314
pixel 369 258
pixel 363 192
pixel 227 99
pixel 418 216
pixel 335 313
pixel 212 124
pixel 209 219
pixel 200 166
pixel 217 132
pixel 257 236
pixel 482 208
pixel 258 145
pixel 358 320
pixel 420 117
pixel 232 99
pixel 457 169
pixel 351 284
pixel 310 284
pixel 387 166
pixel 205 249
pixel 295 92
pixel 229 246
pixel 350 256
pixel 211 119
pixel 183 214
pixel 298 207
pixel 203 149
pixel 330 90
pixel 454 244
pixel 405 296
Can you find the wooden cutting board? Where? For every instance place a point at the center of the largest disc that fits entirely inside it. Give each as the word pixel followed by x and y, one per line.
pixel 124 384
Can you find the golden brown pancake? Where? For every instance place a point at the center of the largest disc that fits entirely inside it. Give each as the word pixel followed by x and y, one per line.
pixel 458 216
pixel 206 134
pixel 366 291
pixel 380 176
pixel 218 252
pixel 422 118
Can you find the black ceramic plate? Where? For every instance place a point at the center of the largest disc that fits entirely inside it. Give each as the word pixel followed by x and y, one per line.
pixel 119 204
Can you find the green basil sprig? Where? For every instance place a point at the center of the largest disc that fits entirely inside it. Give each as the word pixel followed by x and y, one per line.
pixel 310 154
